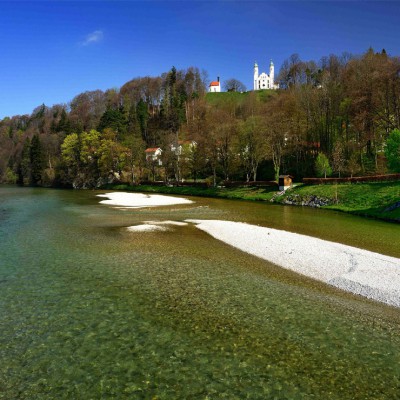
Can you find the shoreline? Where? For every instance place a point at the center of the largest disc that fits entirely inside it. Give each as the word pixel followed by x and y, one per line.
pixel 366 200
pixel 355 270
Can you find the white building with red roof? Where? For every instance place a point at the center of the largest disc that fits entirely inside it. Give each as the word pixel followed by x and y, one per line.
pixel 215 86
pixel 153 154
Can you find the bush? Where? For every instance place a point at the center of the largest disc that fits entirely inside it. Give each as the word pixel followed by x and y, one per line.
pixel 392 151
pixel 322 166
pixel 10 177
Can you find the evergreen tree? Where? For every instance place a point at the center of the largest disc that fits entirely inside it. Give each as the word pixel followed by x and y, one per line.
pixel 24 170
pixel 36 160
pixel 115 119
pixel 142 116
pixel 64 125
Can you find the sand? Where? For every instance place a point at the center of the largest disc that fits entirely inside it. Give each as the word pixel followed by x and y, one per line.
pixel 140 200
pixel 154 226
pixel 355 270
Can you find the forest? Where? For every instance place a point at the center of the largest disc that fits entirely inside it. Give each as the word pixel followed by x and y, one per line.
pixel 339 116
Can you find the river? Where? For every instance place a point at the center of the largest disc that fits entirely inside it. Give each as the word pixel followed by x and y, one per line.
pixel 89 310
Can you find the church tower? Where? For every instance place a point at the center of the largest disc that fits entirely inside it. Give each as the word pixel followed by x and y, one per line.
pixel 255 76
pixel 264 81
pixel 272 75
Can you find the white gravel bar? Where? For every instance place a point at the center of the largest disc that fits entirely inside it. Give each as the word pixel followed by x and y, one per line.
pixel 141 200
pixel 355 270
pixel 152 226
pixel 146 228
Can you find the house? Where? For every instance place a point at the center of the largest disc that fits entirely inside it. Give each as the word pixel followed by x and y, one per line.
pixel 182 146
pixel 153 155
pixel 215 86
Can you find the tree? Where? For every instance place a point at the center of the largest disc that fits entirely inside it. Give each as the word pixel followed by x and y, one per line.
pixel 322 166
pixel 135 159
pixel 112 156
pixel 253 147
pixel 64 124
pixel 279 127
pixel 233 85
pixel 338 159
pixel 115 119
pixel 37 160
pixel 142 115
pixel 392 150
pixel 24 170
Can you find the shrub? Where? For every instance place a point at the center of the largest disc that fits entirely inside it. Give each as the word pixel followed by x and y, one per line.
pixel 392 150
pixel 322 166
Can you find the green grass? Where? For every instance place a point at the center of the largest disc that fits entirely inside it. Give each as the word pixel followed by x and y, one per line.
pixel 368 199
pixel 217 99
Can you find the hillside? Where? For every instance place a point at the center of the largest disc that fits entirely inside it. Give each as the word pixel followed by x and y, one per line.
pixel 239 98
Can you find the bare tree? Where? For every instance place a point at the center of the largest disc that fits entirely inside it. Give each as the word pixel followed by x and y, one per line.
pixel 233 85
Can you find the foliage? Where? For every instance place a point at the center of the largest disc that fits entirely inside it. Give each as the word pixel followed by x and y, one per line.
pixel 341 106
pixel 392 150
pixel 322 166
pixel 36 160
pixel 94 155
pixel 11 176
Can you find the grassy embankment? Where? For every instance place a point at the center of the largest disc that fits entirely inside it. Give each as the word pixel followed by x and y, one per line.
pixel 366 199
pixel 237 98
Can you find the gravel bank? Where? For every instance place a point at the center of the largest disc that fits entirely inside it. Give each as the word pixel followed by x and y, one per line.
pixel 140 200
pixel 355 270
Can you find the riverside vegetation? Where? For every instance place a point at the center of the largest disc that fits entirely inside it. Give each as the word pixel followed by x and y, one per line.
pixel 338 116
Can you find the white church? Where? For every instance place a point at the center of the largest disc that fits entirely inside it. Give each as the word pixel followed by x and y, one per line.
pixel 263 80
pixel 215 86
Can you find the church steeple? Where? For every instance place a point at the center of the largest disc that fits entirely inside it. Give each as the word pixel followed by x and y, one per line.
pixel 255 75
pixel 271 74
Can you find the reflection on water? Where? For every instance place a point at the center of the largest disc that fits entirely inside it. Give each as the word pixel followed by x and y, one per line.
pixel 91 310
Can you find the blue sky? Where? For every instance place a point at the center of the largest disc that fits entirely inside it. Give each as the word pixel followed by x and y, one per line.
pixel 54 50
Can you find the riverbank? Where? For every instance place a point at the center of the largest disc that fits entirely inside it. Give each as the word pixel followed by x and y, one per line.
pixel 362 272
pixel 376 200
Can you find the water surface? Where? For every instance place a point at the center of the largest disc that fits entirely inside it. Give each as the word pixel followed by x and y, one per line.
pixel 89 310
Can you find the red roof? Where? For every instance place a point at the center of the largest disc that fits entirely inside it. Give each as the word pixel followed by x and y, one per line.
pixel 214 83
pixel 312 144
pixel 151 149
pixel 185 141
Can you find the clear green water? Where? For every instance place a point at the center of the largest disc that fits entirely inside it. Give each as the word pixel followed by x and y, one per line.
pixel 89 310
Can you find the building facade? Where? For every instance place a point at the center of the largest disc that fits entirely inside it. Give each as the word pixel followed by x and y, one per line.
pixel 263 80
pixel 215 86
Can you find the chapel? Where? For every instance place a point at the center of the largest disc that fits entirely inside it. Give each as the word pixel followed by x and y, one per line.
pixel 215 86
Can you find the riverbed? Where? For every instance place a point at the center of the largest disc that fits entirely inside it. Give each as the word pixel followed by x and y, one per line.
pixel 89 309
